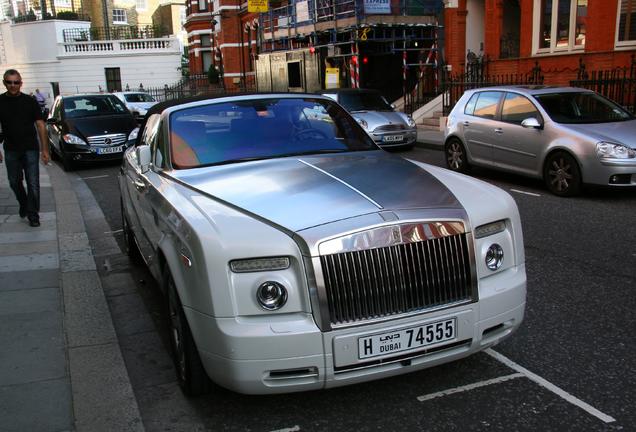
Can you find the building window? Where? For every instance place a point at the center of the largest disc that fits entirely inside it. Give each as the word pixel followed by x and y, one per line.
pixel 561 24
pixel 119 16
pixel 206 59
pixel 203 5
pixel 206 41
pixel 626 27
pixel 141 4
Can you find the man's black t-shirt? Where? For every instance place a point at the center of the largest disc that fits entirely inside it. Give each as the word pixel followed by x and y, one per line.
pixel 17 117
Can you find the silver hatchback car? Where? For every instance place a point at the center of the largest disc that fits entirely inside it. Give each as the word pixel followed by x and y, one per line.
pixel 388 128
pixel 567 136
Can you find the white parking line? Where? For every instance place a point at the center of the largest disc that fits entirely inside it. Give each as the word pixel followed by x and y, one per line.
pixel 291 429
pixel 525 193
pixel 114 232
pixel 469 387
pixel 548 385
pixel 95 177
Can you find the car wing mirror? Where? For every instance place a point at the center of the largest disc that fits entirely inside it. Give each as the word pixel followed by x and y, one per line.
pixel 51 120
pixel 532 122
pixel 143 157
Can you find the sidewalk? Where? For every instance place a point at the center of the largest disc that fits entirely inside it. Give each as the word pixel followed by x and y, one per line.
pixel 61 367
pixel 430 138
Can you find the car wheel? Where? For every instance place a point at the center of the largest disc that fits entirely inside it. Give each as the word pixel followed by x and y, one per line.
pixel 456 159
pixel 130 244
pixel 562 175
pixel 191 375
pixel 52 152
pixel 67 163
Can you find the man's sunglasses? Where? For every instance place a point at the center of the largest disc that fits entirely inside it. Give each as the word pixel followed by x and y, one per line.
pixel 12 82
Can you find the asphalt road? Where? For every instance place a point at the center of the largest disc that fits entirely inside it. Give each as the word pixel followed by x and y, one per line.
pixel 571 366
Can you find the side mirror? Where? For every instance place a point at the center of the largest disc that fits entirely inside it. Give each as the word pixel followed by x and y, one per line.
pixel 143 157
pixel 51 120
pixel 531 122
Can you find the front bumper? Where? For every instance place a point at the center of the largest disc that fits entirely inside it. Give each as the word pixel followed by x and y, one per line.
pixel 407 138
pixel 614 173
pixel 90 154
pixel 262 356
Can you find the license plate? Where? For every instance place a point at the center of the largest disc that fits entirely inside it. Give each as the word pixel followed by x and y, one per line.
pixel 393 138
pixel 407 339
pixel 108 150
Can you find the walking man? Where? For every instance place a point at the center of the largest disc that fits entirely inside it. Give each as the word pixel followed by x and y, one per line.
pixel 20 117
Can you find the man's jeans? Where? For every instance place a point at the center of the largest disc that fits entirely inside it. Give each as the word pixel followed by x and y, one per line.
pixel 27 162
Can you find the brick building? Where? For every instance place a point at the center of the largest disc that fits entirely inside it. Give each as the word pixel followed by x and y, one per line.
pixel 516 34
pixel 222 33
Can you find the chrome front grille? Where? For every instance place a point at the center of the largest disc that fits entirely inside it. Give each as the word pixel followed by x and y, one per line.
pixel 403 278
pixel 390 128
pixel 107 140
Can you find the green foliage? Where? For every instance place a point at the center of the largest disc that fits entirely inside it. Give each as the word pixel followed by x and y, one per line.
pixel 68 15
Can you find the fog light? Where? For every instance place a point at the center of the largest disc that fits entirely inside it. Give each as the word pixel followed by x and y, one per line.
pixel 620 179
pixel 271 295
pixel 494 257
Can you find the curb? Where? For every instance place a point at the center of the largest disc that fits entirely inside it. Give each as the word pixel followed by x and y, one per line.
pixel 103 399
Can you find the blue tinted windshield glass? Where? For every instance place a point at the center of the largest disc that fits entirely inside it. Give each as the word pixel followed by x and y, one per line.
pixel 220 133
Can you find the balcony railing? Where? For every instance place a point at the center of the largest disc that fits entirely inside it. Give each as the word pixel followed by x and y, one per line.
pixel 119 46
pixel 330 10
pixel 114 33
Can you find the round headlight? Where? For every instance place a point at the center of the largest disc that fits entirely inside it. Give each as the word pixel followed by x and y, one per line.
pixel 494 256
pixel 271 295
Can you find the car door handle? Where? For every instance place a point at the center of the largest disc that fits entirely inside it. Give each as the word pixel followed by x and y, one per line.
pixel 498 131
pixel 139 185
pixel 466 123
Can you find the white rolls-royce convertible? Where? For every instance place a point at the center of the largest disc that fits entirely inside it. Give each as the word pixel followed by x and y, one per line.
pixel 295 254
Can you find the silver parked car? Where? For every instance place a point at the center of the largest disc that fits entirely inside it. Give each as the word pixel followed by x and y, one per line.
pixel 297 255
pixel 388 128
pixel 137 102
pixel 567 136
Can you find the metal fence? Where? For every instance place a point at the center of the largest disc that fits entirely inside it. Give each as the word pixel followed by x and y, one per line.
pixel 618 84
pixel 194 85
pixel 114 33
pixel 477 76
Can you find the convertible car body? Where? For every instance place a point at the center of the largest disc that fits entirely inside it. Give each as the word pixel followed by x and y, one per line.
pixel 297 255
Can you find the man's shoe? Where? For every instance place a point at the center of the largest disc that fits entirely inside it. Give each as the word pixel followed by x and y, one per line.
pixel 34 223
pixel 23 212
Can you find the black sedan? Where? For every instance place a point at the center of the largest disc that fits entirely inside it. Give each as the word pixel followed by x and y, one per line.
pixel 89 127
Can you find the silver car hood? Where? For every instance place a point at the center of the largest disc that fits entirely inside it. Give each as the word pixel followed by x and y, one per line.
pixel 142 105
pixel 623 132
pixel 377 118
pixel 302 192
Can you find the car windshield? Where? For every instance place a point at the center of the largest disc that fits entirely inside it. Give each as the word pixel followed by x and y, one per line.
pixel 583 107
pixel 364 101
pixel 138 97
pixel 88 106
pixel 221 133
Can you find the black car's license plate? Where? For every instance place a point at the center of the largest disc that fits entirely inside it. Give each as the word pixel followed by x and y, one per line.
pixel 109 150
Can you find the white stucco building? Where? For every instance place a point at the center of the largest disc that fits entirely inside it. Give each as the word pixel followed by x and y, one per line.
pixel 59 55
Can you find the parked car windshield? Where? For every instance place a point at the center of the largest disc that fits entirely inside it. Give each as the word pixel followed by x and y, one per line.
pixel 364 101
pixel 584 107
pixel 221 133
pixel 88 106
pixel 139 97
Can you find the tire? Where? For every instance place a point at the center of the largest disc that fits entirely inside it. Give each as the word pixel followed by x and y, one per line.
pixel 455 156
pixel 52 152
pixel 562 174
pixel 191 375
pixel 130 244
pixel 67 163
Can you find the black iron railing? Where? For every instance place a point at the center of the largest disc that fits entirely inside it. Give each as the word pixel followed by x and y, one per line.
pixel 618 84
pixel 477 76
pixel 194 85
pixel 114 33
